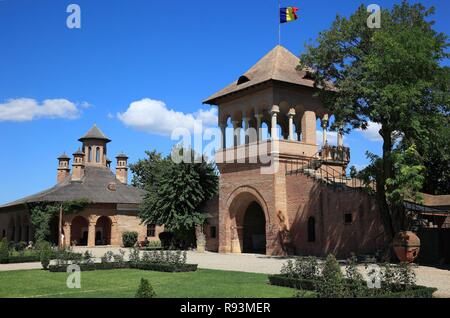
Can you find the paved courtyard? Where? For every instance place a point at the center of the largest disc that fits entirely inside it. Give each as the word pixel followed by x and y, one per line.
pixel 427 276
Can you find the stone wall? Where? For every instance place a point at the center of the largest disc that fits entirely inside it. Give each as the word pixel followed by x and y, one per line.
pixel 288 202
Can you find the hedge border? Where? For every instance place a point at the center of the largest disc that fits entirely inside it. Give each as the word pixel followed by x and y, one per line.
pixel 159 267
pixel 309 284
pixel 17 259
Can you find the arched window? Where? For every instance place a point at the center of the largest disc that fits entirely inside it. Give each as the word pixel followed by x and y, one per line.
pixel 97 154
pixel 89 154
pixel 311 229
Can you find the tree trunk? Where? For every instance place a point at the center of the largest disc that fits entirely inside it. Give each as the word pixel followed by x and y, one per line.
pixel 386 172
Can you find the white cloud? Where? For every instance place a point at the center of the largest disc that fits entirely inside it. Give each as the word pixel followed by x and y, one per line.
pixel 153 116
pixel 27 109
pixel 372 132
pixel 85 105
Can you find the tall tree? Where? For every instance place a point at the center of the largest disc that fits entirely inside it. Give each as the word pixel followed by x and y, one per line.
pixel 175 191
pixel 391 76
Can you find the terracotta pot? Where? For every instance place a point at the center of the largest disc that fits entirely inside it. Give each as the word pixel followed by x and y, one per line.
pixel 406 246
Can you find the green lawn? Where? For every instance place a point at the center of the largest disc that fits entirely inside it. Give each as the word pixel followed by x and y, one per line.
pixel 124 282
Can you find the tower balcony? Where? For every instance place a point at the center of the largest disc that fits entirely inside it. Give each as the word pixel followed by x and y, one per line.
pixel 264 151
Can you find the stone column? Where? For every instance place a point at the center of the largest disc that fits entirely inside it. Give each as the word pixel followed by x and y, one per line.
pixel 237 133
pixel 340 136
pixel 223 140
pixel 67 234
pixel 291 115
pixel 258 125
pixel 273 131
pixel 91 233
pixel 309 128
pixel 246 122
pixel 324 124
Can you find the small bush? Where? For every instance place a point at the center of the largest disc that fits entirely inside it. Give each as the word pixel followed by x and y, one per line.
pixel 87 258
pixel 45 254
pixel 355 284
pixel 107 257
pixel 332 281
pixel 302 267
pixel 145 290
pixel 154 244
pixel 129 239
pixel 119 258
pixel 134 256
pixel 4 251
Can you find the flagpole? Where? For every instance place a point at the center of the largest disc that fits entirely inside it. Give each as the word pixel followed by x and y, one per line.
pixel 279 23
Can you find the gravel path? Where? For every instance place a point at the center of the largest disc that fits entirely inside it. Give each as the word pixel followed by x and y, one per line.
pixel 427 276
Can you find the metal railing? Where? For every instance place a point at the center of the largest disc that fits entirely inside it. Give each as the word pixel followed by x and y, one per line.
pixel 315 167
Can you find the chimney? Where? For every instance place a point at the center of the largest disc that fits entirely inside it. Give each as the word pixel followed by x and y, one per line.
pixel 121 168
pixel 78 165
pixel 63 168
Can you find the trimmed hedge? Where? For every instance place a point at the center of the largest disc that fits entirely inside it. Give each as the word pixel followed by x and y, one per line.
pixel 286 281
pixel 15 259
pixel 309 284
pixel 89 267
pixel 416 292
pixel 159 267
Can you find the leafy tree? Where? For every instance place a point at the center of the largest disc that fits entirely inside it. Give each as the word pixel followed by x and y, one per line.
pixel 391 76
pixel 43 212
pixel 176 191
pixel 145 170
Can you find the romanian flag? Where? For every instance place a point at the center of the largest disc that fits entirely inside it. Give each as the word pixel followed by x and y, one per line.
pixel 288 14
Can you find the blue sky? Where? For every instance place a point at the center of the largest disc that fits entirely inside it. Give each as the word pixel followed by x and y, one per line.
pixel 62 80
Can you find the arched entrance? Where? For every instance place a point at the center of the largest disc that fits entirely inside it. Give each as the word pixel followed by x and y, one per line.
pixel 79 230
pixel 103 231
pixel 254 230
pixel 247 223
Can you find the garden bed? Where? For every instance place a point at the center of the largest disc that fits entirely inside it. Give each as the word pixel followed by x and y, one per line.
pixel 159 267
pixel 312 285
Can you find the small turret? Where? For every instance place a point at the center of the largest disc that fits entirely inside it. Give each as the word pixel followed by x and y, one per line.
pixel 78 165
pixel 94 147
pixel 63 168
pixel 122 168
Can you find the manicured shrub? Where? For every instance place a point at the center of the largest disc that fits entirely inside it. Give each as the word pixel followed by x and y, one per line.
pixel 4 251
pixel 164 267
pixel 397 281
pixel 145 290
pixel 332 281
pixel 129 239
pixel 45 254
pixel 298 283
